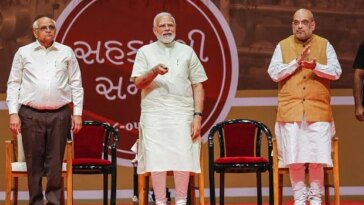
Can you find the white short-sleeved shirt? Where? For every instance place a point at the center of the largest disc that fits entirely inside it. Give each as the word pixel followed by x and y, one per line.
pixel 45 78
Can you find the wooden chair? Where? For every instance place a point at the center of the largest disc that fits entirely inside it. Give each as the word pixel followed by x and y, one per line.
pixel 15 169
pixel 143 185
pixel 278 173
pixel 239 142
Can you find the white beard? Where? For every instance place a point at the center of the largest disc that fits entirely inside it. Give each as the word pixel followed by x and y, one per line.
pixel 167 38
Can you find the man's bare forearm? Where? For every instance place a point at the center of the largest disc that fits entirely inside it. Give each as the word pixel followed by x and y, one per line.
pixel 198 96
pixel 144 80
pixel 358 86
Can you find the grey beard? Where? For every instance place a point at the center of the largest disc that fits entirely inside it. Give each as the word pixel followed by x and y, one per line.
pixel 165 39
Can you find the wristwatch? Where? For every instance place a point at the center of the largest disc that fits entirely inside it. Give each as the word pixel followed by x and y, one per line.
pixel 197 113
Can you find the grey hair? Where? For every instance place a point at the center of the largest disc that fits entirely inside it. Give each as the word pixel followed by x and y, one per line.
pixel 161 15
pixel 35 23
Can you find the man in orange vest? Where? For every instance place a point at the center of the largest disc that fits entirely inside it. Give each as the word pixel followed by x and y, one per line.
pixel 303 66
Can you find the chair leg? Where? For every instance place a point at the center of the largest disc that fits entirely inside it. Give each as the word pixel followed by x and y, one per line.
pixel 275 173
pixel 8 173
pixel 8 189
pixel 336 184
pixel 327 188
pixel 222 187
pixel 276 187
pixel 201 184
pixel 259 188
pixel 335 171
pixel 280 189
pixel 135 183
pixel 189 193
pixel 192 190
pixel 69 189
pixel 113 186
pixel 212 185
pixel 68 174
pixel 201 187
pixel 143 189
pixel 146 190
pixel 62 202
pixel 106 186
pixel 271 194
pixel 15 191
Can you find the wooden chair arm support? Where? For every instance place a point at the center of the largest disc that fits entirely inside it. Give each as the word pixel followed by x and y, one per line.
pixel 69 155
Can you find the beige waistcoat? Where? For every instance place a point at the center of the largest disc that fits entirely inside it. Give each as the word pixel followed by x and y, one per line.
pixel 304 93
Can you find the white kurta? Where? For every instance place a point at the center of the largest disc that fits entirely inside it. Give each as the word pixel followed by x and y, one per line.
pixel 167 108
pixel 302 142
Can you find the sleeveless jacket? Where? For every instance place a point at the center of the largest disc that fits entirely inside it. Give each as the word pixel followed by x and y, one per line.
pixel 304 93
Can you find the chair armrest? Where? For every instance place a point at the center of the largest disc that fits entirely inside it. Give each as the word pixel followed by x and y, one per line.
pixel 9 141
pixel 114 135
pixel 69 156
pixel 9 148
pixel 335 151
pixel 266 131
pixel 275 155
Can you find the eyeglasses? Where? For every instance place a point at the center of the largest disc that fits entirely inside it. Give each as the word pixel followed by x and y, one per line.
pixel 45 28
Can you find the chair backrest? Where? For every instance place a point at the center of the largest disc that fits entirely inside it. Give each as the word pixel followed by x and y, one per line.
pixel 240 137
pixel 94 140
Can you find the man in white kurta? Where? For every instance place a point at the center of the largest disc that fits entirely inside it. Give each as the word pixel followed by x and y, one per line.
pixel 170 77
pixel 303 65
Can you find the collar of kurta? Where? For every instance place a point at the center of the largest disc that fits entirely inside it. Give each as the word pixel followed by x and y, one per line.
pixel 304 43
pixel 38 46
pixel 166 45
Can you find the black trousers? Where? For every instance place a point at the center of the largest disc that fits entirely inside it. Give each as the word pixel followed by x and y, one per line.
pixel 44 135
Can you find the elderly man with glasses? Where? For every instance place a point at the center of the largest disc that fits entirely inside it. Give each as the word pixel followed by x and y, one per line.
pixel 45 78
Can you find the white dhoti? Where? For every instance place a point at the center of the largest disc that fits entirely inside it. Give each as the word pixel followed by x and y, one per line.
pixel 166 145
pixel 303 142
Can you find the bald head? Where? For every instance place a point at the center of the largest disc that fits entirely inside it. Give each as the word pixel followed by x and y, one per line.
pixel 304 12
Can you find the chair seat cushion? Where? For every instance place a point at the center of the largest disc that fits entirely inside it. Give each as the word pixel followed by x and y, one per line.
pixel 91 161
pixel 22 167
pixel 241 160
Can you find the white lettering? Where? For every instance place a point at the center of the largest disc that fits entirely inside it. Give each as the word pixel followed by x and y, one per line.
pixel 82 54
pixel 106 87
pixel 113 52
pixel 202 43
pixel 117 59
pixel 133 50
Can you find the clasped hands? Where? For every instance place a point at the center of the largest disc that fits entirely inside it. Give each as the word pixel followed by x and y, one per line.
pixel 301 60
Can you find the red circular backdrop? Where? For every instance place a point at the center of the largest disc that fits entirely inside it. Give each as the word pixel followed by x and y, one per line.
pixel 106 34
